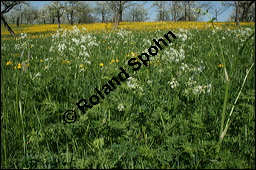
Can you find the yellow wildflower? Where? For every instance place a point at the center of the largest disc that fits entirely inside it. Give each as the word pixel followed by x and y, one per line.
pixel 112 61
pixel 9 63
pixel 101 64
pixel 221 65
pixel 117 60
pixel 81 65
pixel 41 61
pixel 19 66
pixel 68 61
pixel 64 61
pixel 15 67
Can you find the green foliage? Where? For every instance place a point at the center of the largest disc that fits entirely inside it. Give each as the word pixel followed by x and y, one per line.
pixel 167 116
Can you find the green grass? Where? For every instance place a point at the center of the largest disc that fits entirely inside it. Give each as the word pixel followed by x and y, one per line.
pixel 159 127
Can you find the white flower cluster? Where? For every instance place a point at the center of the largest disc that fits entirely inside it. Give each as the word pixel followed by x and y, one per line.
pixel 76 43
pixel 202 89
pixel 121 107
pixel 123 33
pixel 173 55
pixel 174 83
pixel 188 68
pixel 23 43
pixel 181 36
pixel 198 89
pixel 132 83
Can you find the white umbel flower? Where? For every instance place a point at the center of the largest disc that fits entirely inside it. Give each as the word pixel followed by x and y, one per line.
pixel 120 107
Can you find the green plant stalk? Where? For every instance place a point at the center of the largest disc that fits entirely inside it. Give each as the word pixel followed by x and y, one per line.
pixel 231 112
pixel 225 100
pixel 222 118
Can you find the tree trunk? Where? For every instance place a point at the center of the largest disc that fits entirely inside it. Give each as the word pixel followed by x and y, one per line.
pixel 237 17
pixel 21 19
pixel 18 22
pixel 186 12
pixel 116 19
pixel 7 26
pixel 120 15
pixel 58 21
pixel 71 17
pixel 102 16
pixel 189 17
pixel 246 6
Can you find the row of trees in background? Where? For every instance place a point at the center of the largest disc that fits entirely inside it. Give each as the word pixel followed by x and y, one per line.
pixel 20 12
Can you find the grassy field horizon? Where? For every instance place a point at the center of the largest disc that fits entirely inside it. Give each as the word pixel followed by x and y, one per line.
pixel 169 114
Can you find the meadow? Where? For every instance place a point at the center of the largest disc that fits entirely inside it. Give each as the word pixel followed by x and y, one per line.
pixel 167 115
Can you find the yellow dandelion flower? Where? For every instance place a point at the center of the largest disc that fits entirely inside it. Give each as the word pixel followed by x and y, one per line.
pixel 19 66
pixel 127 55
pixel 132 53
pixel 68 61
pixel 117 60
pixel 41 61
pixel 101 64
pixel 81 65
pixel 112 61
pixel 15 67
pixel 9 63
pixel 221 65
pixel 158 61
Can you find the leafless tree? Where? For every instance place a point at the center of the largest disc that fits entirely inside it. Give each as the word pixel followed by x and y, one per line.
pixel 216 11
pixel 56 10
pixel 6 6
pixel 176 9
pixel 137 13
pixel 30 14
pixel 187 5
pixel 245 5
pixel 242 9
pixel 118 7
pixel 103 10
pixel 162 8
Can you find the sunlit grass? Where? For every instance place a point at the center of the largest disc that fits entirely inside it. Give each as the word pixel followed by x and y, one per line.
pixel 168 115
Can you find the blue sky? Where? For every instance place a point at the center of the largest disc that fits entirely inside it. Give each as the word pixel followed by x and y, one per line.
pixel 152 13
